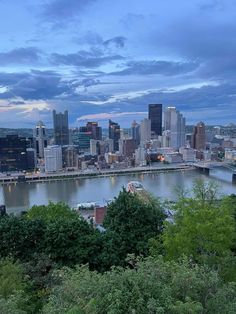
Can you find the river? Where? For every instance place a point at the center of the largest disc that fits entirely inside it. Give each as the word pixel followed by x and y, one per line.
pixel 21 196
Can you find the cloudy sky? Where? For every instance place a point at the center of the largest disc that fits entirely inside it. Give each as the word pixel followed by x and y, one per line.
pixel 104 59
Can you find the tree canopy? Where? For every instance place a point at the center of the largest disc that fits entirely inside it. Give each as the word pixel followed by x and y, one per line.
pixel 152 286
pixel 129 223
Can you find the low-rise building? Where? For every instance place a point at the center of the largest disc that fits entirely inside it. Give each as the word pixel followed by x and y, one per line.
pixel 230 155
pixel 189 154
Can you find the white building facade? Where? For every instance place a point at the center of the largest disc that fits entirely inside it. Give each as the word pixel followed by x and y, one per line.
pixel 53 158
pixel 174 122
pixel 145 131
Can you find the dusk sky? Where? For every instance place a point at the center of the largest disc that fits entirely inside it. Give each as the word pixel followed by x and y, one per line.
pixel 104 59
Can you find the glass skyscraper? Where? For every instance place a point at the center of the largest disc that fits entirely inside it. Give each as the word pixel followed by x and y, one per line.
pixel 114 134
pixel 155 115
pixel 61 128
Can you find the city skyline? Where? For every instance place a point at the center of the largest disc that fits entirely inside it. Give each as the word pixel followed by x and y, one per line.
pixel 61 55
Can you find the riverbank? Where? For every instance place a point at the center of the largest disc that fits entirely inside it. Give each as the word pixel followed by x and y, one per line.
pixel 45 177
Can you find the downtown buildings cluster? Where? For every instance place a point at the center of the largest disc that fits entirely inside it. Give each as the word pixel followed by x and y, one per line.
pixel 160 137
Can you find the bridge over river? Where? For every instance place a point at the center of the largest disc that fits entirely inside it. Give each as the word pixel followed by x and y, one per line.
pixel 206 167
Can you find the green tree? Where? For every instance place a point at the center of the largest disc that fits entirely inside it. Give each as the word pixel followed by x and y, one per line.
pixel 11 278
pixel 72 241
pixel 12 288
pixel 203 229
pixel 20 237
pixel 130 222
pixel 51 212
pixel 152 286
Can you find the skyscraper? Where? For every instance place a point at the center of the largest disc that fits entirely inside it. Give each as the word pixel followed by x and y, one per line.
pixel 155 115
pixel 13 153
pixel 61 128
pixel 95 130
pixel 199 137
pixel 114 134
pixel 174 122
pixel 135 132
pixel 53 158
pixel 145 130
pixel 40 139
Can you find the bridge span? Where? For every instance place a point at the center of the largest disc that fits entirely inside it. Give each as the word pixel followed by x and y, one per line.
pixel 205 167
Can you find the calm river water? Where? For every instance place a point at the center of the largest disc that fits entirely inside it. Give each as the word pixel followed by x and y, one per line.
pixel 24 195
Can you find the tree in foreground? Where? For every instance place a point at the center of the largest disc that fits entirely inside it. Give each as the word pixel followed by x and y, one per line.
pixel 51 212
pixel 130 222
pixel 13 297
pixel 152 286
pixel 203 229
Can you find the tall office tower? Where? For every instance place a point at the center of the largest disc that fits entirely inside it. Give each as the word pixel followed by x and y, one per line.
pixel 145 131
pixel 135 132
pixel 155 115
pixel 199 136
pixel 114 134
pixel 70 156
pixel 95 130
pixel 175 123
pixel 40 139
pixel 13 153
pixel 61 128
pixel 126 147
pixel 53 158
pixel 95 147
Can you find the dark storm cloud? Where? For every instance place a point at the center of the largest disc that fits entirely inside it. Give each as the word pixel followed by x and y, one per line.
pixel 96 40
pixel 167 68
pixel 89 82
pixel 90 59
pixel 20 56
pixel 118 42
pixel 56 10
pixel 34 85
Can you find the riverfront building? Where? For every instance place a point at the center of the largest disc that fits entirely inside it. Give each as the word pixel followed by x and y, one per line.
pixel 13 153
pixel 53 158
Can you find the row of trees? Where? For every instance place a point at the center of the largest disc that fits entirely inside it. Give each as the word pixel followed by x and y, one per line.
pixel 53 261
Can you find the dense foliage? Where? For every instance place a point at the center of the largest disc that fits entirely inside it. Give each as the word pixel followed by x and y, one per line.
pixel 130 223
pixel 53 261
pixel 152 286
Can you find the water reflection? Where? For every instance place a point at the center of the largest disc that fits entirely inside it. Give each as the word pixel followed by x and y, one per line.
pixel 24 195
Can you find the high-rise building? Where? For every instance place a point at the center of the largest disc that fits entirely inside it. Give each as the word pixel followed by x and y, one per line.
pixel 53 158
pixel 199 136
pixel 155 115
pixel 40 139
pixel 13 153
pixel 95 147
pixel 135 133
pixel 70 156
pixel 127 147
pixel 31 158
pixel 61 128
pixel 114 134
pixel 145 130
pixel 175 123
pixel 95 130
